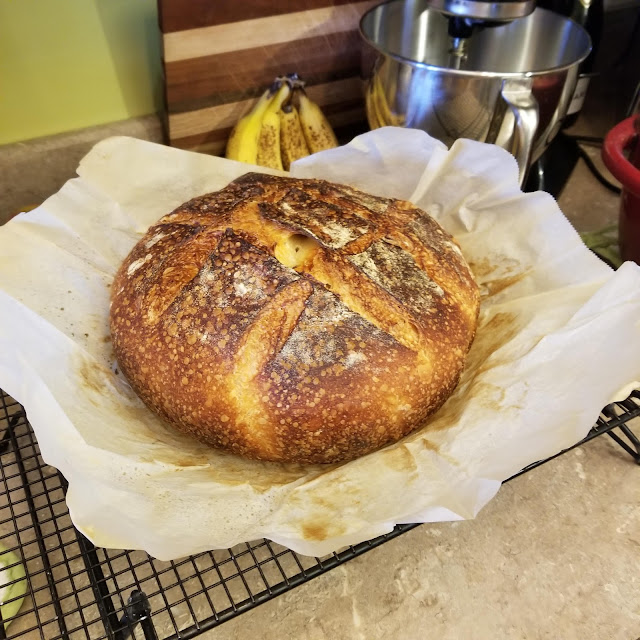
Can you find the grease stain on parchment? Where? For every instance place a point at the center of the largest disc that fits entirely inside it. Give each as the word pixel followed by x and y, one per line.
pixel 497 274
pixel 320 508
pixel 100 382
pixel 322 529
pixel 428 444
pixel 399 458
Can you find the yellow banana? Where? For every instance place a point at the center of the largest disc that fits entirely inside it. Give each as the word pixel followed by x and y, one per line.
pixel 243 141
pixel 269 138
pixel 292 143
pixel 371 109
pixel 384 115
pixel 316 128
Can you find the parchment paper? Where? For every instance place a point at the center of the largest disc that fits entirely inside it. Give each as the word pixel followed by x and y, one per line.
pixel 559 338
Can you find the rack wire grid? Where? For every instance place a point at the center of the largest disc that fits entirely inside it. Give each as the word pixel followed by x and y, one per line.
pixel 78 591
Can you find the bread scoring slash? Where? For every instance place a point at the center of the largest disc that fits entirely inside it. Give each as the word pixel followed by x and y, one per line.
pixel 294 320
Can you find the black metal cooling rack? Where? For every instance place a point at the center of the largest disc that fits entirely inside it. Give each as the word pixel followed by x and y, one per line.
pixel 77 591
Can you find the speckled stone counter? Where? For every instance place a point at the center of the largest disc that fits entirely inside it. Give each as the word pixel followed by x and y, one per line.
pixel 555 555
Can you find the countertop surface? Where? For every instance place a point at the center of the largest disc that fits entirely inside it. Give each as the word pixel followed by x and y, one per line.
pixel 555 555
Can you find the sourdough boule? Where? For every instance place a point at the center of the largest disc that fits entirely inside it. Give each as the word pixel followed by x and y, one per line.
pixel 294 320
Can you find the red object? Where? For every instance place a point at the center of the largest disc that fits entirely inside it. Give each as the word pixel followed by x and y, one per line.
pixel 621 155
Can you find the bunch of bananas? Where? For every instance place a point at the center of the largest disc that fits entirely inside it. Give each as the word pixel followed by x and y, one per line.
pixel 283 126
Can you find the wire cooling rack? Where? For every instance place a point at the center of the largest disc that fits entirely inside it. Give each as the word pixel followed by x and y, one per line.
pixel 78 591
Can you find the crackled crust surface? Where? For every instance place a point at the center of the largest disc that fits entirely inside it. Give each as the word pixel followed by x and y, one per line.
pixel 294 320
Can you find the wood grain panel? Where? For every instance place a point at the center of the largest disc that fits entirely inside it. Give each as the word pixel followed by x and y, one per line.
pixel 179 15
pixel 229 77
pixel 219 57
pixel 261 32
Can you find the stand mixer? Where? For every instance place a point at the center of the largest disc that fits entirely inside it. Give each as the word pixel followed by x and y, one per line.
pixel 497 71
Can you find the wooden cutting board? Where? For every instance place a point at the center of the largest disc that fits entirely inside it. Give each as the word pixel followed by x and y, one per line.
pixel 220 55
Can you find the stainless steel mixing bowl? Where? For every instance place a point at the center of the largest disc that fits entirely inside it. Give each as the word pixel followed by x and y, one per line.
pixel 509 84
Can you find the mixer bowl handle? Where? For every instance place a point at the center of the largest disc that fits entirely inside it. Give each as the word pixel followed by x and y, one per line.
pixel 517 94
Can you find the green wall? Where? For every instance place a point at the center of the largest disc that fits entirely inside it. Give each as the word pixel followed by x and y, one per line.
pixel 69 64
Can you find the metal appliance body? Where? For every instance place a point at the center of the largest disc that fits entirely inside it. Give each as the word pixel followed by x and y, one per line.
pixel 509 84
pixel 491 10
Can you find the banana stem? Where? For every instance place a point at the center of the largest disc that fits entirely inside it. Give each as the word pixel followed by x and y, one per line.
pixel 275 85
pixel 295 81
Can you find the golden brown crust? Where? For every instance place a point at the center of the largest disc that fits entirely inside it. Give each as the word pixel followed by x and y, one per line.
pixel 294 320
